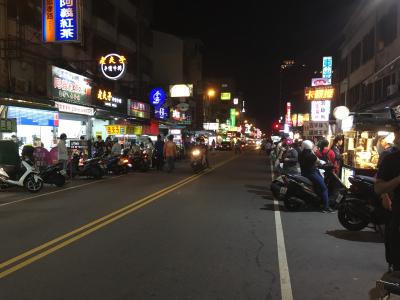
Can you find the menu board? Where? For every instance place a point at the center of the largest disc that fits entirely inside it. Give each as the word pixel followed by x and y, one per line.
pixel 8 125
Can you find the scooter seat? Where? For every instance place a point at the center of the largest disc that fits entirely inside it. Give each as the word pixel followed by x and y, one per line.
pixel 302 179
pixel 367 179
pixel 11 170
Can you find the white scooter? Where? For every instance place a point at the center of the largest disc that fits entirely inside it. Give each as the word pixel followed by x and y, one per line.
pixel 23 175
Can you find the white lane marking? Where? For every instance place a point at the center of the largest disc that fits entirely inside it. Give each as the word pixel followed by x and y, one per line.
pixel 55 192
pixel 286 287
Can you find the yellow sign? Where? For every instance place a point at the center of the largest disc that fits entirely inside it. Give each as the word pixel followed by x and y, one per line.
pixel 104 95
pixel 124 130
pixel 319 93
pixel 225 96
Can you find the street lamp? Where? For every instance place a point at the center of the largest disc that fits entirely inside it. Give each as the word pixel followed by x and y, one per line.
pixel 211 93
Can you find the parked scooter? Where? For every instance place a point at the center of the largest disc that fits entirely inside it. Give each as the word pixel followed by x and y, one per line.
pixel 92 168
pixel 298 191
pixel 17 172
pixel 117 164
pixel 141 161
pixel 360 205
pixel 197 160
pixel 53 175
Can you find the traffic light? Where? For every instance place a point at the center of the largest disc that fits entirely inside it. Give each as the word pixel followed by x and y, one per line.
pixel 276 126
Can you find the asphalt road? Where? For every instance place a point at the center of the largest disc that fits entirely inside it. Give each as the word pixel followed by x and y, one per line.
pixel 179 236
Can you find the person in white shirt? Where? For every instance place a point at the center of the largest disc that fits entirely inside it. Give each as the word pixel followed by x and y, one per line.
pixel 116 148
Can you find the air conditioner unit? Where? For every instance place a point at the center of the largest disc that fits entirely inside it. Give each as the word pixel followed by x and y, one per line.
pixel 392 89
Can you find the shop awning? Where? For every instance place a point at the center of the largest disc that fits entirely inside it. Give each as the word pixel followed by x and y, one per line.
pixel 25 101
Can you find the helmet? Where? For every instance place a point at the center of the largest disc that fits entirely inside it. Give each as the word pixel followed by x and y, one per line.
pixel 307 144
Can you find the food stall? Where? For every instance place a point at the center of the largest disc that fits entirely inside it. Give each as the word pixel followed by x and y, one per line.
pixel 363 142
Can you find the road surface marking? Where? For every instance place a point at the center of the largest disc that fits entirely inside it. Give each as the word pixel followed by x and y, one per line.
pixel 58 191
pixel 89 228
pixel 286 287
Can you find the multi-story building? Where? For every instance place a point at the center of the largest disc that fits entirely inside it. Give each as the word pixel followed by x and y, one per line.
pixel 179 61
pixel 26 65
pixel 369 71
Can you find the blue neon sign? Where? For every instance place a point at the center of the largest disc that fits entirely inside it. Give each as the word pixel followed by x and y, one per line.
pixel 162 113
pixel 157 97
pixel 327 64
pixel 61 21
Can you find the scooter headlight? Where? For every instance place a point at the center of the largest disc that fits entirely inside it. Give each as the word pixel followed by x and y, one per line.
pixel 196 152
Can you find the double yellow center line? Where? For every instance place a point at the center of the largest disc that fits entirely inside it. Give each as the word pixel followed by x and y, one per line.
pixel 14 264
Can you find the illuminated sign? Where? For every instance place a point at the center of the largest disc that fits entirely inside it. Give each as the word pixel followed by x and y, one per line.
pixel 319 93
pixel 8 125
pixel 70 87
pixel 61 21
pixel 75 109
pixel 320 81
pixel 327 64
pixel 124 130
pixel 161 113
pixel 113 66
pixel 210 126
pixel 320 110
pixel 299 119
pixel 106 98
pixel 225 96
pixel 181 90
pixel 176 114
pixel 138 109
pixel 233 117
pixel 36 117
pixel 235 101
pixel 288 113
pixel 157 97
pixel 315 128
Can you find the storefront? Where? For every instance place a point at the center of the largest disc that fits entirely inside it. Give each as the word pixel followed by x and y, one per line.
pixel 363 143
pixel 72 94
pixel 35 121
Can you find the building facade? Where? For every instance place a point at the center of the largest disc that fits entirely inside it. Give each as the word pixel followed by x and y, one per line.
pixel 369 70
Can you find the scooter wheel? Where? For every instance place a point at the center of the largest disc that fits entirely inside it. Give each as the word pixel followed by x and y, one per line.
pixel 349 220
pixel 31 185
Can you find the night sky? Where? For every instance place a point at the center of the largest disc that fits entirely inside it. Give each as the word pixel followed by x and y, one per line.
pixel 248 40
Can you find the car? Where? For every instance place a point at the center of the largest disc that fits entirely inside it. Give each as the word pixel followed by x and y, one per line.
pixel 225 146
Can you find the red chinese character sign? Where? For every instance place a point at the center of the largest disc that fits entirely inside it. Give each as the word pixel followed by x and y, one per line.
pixel 113 66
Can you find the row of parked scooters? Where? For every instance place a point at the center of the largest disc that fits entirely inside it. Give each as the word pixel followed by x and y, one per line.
pixel 21 171
pixel 358 206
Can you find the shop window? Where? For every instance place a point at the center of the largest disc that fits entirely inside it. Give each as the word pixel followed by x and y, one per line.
pixel 356 57
pixel 387 27
pixel 368 46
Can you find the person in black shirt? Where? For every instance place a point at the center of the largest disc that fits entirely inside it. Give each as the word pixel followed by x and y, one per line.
pixel 388 181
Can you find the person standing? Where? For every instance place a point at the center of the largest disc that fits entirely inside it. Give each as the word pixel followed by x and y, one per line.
pixel 337 149
pixel 290 160
pixel 323 152
pixel 388 181
pixel 170 153
pixel 62 151
pixel 159 153
pixel 99 146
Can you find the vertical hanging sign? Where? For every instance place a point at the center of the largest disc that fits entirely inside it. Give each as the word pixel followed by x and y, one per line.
pixel 61 21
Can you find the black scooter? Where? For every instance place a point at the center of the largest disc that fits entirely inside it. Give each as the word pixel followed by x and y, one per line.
pixel 360 205
pixel 92 168
pixel 53 175
pixel 297 192
pixel 197 161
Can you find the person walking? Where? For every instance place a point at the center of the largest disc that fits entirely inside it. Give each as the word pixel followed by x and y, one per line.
pixel 62 151
pixel 159 153
pixel 170 153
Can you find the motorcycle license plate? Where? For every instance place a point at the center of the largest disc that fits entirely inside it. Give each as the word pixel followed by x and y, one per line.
pixel 283 190
pixel 339 198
